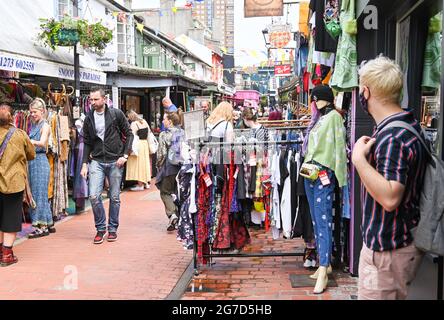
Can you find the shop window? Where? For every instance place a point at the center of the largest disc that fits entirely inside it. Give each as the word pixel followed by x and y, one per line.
pixel 125 40
pixel 65 7
pixel 431 81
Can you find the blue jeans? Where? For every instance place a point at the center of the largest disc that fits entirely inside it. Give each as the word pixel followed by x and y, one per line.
pixel 97 173
pixel 320 200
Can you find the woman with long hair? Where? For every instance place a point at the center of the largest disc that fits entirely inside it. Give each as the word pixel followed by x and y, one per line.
pixel 138 166
pixel 38 168
pixel 220 122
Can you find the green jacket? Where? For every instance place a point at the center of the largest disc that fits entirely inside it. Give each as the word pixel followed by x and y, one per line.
pixel 326 145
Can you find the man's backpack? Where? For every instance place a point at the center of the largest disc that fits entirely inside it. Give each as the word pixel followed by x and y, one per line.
pixel 429 236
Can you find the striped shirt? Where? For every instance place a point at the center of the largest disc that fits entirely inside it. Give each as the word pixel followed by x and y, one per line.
pixel 399 156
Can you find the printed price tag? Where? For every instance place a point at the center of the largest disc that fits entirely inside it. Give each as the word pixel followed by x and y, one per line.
pixel 236 173
pixel 324 178
pixel 207 180
pixel 252 162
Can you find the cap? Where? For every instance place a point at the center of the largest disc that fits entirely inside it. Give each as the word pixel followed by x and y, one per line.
pixel 322 93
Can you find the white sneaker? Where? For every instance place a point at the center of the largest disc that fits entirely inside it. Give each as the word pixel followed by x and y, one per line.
pixel 173 222
pixel 147 185
pixel 137 188
pixel 307 263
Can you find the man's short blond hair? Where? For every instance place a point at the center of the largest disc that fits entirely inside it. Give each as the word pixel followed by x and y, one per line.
pixel 383 77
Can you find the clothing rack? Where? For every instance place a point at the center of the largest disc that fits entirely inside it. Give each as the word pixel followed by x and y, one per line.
pixel 211 255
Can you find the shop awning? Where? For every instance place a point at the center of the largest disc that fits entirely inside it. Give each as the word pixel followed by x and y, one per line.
pixel 20 51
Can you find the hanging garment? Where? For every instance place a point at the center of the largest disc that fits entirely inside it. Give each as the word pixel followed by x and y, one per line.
pixel 286 201
pixel 323 41
pixel 345 75
pixel 203 210
pixel 275 219
pixel 80 190
pixel 431 76
pixel 184 180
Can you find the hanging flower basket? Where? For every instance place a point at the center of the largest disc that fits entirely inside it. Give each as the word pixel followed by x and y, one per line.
pixel 69 31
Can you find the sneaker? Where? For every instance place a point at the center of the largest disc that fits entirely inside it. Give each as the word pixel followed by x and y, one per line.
pixel 307 263
pixel 38 233
pixel 100 236
pixel 137 188
pixel 52 229
pixel 147 185
pixel 172 222
pixel 112 236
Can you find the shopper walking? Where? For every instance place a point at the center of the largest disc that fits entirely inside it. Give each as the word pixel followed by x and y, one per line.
pixel 257 130
pixel 391 165
pixel 104 129
pixel 138 166
pixel 15 150
pixel 168 165
pixel 39 171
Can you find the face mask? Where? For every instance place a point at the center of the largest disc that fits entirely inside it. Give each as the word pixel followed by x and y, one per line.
pixel 364 103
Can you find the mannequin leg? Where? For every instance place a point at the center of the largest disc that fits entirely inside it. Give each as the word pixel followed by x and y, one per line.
pixel 323 201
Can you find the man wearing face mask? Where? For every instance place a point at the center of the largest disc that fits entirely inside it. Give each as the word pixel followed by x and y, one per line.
pixel 391 165
pixel 325 163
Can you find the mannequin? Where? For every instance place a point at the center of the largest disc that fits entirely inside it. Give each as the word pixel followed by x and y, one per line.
pixel 327 151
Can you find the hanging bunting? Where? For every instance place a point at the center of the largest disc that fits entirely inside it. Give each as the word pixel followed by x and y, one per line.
pixel 174 9
pixel 115 14
pixel 122 17
pixel 140 26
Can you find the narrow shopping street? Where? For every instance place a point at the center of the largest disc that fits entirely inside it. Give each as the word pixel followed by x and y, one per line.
pixel 145 263
pixel 148 263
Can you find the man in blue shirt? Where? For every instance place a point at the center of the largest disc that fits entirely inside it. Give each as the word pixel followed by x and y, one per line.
pixel 168 107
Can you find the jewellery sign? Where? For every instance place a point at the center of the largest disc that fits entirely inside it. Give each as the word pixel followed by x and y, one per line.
pixel 282 70
pixel 263 8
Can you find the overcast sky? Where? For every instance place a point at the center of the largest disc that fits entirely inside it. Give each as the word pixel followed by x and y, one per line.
pixel 247 31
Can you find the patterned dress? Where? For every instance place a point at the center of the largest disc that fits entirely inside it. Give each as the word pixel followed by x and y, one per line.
pixel 38 170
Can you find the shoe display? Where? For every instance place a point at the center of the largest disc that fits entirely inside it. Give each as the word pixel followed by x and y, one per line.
pixel 100 236
pixel 112 236
pixel 8 257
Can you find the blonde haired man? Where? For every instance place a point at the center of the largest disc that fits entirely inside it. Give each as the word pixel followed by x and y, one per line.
pixel 391 165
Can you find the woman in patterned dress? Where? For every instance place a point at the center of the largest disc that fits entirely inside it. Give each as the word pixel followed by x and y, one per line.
pixel 38 168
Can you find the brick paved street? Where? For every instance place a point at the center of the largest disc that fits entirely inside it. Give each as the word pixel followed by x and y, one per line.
pixel 263 278
pixel 145 262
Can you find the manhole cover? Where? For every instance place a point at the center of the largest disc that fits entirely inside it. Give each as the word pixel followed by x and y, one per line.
pixel 303 280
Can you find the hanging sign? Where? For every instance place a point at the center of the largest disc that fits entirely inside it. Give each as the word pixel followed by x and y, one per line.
pixel 151 50
pixel 282 70
pixel 280 39
pixel 263 8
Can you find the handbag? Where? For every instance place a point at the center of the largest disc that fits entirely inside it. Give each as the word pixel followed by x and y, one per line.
pixel 309 171
pixel 135 145
pixel 153 145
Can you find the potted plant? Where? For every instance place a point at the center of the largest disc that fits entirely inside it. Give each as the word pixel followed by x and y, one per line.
pixel 68 31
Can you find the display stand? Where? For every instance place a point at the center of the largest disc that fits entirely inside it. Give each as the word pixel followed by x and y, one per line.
pixel 211 255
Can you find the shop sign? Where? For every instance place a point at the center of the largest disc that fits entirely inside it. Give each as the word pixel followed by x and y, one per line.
pixel 151 50
pixel 18 63
pixel 280 39
pixel 282 70
pixel 263 8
